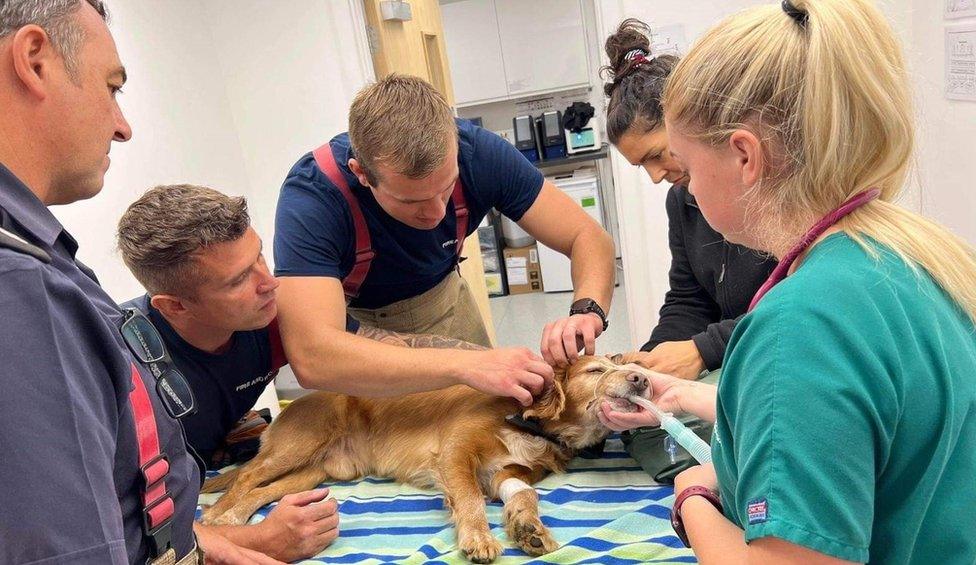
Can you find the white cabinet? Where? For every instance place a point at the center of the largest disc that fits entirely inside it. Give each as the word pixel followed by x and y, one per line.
pixel 543 44
pixel 506 48
pixel 474 51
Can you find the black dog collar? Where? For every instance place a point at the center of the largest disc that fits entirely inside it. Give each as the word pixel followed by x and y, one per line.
pixel 533 427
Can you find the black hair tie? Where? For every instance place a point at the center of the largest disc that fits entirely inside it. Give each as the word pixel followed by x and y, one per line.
pixel 797 14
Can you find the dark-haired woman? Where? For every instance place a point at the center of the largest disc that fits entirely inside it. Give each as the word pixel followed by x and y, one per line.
pixel 711 280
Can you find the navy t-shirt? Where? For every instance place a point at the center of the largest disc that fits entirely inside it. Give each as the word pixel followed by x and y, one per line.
pixel 225 385
pixel 314 233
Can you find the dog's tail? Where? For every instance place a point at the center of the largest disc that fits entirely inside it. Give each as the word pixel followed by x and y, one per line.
pixel 221 482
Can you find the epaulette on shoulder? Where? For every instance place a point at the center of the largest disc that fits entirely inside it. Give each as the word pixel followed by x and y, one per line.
pixel 9 240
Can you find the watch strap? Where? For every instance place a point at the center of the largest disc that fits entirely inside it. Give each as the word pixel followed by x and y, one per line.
pixel 589 306
pixel 676 521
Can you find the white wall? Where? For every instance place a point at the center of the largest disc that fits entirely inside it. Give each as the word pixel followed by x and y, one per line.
pixel 291 70
pixel 946 128
pixel 182 128
pixel 224 93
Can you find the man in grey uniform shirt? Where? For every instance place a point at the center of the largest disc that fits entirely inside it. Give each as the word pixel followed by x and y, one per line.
pixel 76 485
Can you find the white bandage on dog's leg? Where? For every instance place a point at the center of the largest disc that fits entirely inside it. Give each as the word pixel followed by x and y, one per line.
pixel 509 487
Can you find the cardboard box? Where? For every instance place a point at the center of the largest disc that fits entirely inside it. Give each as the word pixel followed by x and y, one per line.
pixel 522 269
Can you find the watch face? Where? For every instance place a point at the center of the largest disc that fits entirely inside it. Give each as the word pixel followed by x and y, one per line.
pixel 583 303
pixel 587 306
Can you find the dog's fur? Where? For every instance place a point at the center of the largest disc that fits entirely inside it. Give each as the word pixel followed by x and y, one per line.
pixel 454 439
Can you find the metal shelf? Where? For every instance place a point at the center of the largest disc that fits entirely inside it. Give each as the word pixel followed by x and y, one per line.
pixel 600 153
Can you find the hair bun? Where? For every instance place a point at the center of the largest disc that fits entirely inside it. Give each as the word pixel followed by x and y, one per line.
pixel 631 39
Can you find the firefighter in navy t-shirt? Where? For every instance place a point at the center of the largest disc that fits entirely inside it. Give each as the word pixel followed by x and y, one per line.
pixel 213 301
pixel 372 223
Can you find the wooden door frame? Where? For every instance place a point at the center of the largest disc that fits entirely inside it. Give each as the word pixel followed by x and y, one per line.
pixel 472 269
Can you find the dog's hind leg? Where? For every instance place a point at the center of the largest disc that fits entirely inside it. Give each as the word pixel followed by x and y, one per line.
pixel 272 461
pixel 295 481
pixel 521 514
pixel 458 477
pixel 221 482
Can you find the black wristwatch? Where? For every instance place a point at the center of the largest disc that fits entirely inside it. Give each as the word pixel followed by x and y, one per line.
pixel 587 305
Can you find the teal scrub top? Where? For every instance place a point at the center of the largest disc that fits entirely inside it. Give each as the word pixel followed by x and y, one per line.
pixel 846 416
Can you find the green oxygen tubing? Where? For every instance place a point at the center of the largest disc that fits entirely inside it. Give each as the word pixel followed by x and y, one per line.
pixel 686 438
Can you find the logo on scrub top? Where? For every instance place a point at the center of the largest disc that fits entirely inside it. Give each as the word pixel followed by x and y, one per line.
pixel 452 243
pixel 756 511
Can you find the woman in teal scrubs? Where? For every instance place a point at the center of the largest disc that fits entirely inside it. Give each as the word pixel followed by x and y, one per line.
pixel 845 418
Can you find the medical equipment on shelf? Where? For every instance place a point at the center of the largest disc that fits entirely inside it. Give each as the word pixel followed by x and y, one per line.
pixel 686 438
pixel 581 135
pixel 586 139
pixel 553 136
pixel 525 137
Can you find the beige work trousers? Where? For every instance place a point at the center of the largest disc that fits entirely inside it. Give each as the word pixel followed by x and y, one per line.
pixel 449 309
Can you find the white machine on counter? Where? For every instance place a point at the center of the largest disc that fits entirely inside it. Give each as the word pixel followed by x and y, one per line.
pixel 587 139
pixel 580 128
pixel 583 187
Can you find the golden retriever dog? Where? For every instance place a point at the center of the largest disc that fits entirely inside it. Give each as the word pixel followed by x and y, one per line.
pixel 459 440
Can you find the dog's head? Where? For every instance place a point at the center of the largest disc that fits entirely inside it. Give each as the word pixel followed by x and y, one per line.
pixel 569 407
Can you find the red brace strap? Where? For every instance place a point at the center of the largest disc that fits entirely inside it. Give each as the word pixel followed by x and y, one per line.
pixel 364 247
pixel 157 503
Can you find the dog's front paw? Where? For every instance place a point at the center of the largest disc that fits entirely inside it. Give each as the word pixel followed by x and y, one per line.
pixel 523 526
pixel 209 515
pixel 531 536
pixel 479 546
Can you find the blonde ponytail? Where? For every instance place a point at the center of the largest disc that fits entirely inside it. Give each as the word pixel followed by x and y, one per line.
pixel 830 99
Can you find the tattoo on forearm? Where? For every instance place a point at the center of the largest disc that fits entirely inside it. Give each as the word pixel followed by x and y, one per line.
pixel 415 340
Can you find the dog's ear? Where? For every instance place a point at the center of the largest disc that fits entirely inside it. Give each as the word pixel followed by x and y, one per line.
pixel 635 357
pixel 552 402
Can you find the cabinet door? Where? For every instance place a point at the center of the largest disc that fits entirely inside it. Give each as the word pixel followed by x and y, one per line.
pixel 474 50
pixel 543 44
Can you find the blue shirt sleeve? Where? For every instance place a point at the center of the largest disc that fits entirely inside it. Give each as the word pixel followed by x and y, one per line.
pixel 312 227
pixel 503 177
pixel 58 420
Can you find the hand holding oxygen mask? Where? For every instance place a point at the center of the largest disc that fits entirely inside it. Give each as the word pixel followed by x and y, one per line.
pixel 668 394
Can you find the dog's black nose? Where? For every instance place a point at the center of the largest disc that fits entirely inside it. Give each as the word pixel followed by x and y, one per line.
pixel 638 380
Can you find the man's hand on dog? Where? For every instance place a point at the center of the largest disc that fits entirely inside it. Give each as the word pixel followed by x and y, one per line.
pixel 301 525
pixel 514 372
pixel 563 339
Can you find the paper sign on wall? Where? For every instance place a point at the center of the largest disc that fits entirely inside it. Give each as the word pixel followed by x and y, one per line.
pixel 960 8
pixel 669 40
pixel 961 62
